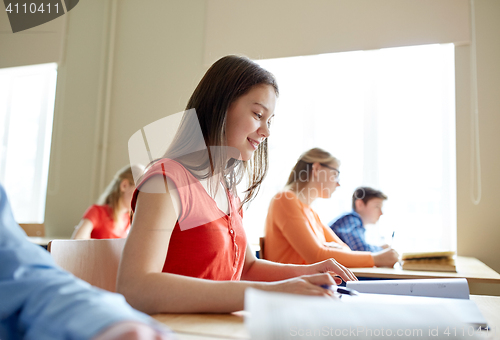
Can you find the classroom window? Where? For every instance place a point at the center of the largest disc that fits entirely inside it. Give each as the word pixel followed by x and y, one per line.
pixel 389 116
pixel 27 97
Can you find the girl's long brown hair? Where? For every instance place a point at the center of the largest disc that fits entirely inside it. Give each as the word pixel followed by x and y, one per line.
pixel 225 81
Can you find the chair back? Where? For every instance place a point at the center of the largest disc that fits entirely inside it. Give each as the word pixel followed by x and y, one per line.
pixel 94 261
pixel 33 229
pixel 261 253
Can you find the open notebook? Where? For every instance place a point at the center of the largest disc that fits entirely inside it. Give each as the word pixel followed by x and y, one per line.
pixel 288 316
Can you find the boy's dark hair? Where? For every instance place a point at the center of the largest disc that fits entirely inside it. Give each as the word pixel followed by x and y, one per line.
pixel 365 194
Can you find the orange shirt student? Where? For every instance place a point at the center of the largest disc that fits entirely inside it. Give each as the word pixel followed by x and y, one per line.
pixel 110 217
pixel 294 232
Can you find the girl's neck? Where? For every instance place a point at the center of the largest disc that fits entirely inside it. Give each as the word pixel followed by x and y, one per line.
pixel 122 208
pixel 120 222
pixel 305 195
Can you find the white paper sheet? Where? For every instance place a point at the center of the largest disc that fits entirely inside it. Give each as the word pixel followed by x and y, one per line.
pixel 277 316
pixel 465 310
pixel 444 288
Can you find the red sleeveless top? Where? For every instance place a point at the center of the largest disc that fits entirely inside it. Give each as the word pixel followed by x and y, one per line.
pixel 206 243
pixel 101 217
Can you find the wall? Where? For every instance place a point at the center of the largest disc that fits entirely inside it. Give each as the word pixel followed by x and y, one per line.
pixel 294 27
pixel 76 119
pixel 126 64
pixel 156 61
pixel 479 225
pixel 38 45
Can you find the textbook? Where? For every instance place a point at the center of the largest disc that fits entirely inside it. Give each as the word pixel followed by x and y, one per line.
pixel 274 316
pixel 431 265
pixel 427 254
pixel 442 261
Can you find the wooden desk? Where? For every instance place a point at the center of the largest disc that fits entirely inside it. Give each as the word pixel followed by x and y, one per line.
pixel 470 268
pixel 214 326
pixel 490 307
pixel 231 326
pixel 41 241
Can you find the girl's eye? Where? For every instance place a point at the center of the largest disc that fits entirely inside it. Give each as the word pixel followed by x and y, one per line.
pixel 258 115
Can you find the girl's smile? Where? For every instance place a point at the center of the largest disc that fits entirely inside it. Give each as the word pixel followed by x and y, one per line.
pixel 253 143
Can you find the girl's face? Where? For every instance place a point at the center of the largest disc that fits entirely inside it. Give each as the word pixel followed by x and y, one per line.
pixel 249 119
pixel 328 178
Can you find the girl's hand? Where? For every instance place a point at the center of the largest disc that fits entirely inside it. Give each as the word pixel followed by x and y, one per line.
pixel 304 285
pixel 334 268
pixel 385 258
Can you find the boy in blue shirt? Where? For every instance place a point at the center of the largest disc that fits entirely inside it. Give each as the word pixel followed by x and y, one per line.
pixel 38 300
pixel 366 209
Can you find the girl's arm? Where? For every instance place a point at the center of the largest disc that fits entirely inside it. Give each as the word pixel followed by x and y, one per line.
pixel 262 270
pixel 141 281
pixel 304 241
pixel 331 237
pixel 83 230
pixel 297 229
pixel 382 258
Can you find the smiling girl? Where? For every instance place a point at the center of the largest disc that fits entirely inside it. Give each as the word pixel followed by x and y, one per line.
pixel 187 251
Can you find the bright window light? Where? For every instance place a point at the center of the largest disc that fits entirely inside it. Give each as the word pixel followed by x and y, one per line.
pixel 27 97
pixel 389 116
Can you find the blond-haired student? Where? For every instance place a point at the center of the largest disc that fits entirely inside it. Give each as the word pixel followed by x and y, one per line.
pixel 110 216
pixel 294 231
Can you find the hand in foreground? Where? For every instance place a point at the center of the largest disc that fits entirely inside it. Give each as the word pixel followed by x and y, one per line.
pixel 132 330
pixel 304 285
pixel 385 258
pixel 334 268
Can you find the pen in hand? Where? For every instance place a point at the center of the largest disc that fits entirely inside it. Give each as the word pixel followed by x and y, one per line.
pixel 392 239
pixel 341 290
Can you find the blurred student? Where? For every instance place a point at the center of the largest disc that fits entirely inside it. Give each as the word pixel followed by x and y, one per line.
pixel 38 300
pixel 294 232
pixel 187 251
pixel 366 209
pixel 110 217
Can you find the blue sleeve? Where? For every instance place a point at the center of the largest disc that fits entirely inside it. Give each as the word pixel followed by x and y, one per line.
pixel 374 249
pixel 38 300
pixel 350 230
